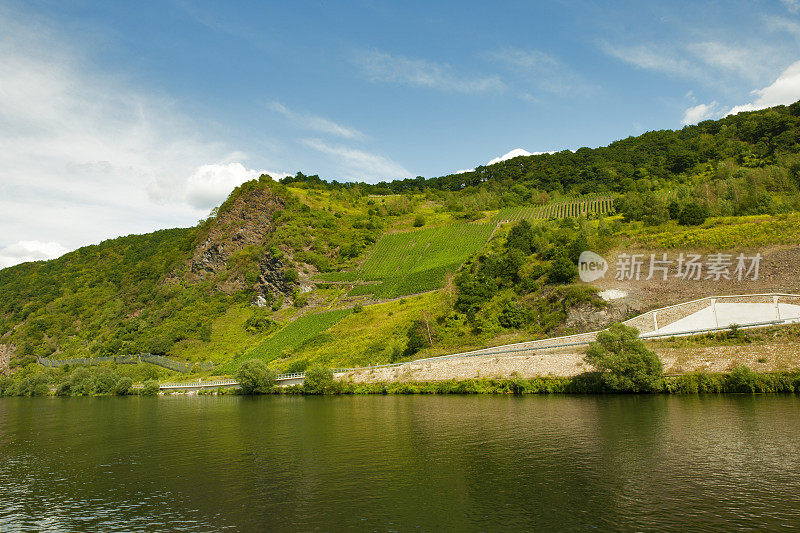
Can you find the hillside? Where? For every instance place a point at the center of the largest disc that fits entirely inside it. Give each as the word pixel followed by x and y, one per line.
pixel 302 270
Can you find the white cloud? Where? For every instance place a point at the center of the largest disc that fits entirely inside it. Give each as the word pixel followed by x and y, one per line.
pixel 315 122
pixel 86 156
pixel 358 164
pixel 23 251
pixel 783 91
pixel 744 62
pixel 211 184
pixel 538 69
pixel 516 152
pixel 653 57
pixel 712 63
pixel 701 112
pixel 792 5
pixel 783 24
pixel 381 67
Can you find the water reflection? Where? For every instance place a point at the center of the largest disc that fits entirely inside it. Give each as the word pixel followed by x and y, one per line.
pixel 400 463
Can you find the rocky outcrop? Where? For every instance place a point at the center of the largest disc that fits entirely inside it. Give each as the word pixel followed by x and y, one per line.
pixel 247 221
pixel 212 258
pixel 272 280
pixel 7 351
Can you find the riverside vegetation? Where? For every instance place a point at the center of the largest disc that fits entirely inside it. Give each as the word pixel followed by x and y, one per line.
pixel 306 273
pixel 622 362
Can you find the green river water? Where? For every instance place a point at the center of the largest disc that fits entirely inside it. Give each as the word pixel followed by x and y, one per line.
pixel 400 463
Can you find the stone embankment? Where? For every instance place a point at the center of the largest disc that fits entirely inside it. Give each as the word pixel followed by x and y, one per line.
pixel 766 357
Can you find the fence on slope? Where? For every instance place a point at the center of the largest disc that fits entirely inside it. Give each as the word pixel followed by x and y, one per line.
pixel 160 360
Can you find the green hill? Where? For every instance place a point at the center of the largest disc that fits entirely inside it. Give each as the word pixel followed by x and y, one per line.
pixel 261 276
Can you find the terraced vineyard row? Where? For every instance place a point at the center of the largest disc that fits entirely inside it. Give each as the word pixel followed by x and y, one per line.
pixel 416 261
pixel 568 207
pixel 292 336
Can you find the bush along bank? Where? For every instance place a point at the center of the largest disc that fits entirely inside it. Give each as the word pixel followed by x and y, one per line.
pixel 740 380
pixel 78 381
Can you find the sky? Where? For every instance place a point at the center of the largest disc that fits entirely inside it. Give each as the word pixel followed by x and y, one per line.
pixel 127 117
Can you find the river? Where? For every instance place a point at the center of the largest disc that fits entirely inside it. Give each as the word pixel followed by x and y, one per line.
pixel 400 463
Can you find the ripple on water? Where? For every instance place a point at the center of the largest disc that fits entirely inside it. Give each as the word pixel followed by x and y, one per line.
pixel 400 463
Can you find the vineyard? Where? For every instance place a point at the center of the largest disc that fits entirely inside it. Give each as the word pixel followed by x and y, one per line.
pixel 566 207
pixel 415 261
pixel 290 337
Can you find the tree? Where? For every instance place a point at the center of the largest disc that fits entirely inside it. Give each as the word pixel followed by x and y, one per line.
pixel 624 362
pixel 693 214
pixel 419 221
pixel 562 270
pixel 255 377
pixel 123 386
pixel 149 388
pixel 521 237
pixel 420 335
pixel 318 380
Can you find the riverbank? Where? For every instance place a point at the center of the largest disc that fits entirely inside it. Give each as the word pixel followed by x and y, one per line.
pixel 739 380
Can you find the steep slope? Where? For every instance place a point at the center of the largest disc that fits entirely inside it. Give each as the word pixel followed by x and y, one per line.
pixel 222 288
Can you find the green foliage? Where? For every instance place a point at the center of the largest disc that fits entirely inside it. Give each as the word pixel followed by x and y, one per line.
pixel 420 335
pixel 300 300
pixel 693 214
pixel 255 377
pixel 419 221
pixel 123 386
pixel 624 362
pixel 560 208
pixel 291 275
pixel 417 261
pixel 318 380
pixel 149 388
pixel 259 323
pixel 562 270
pixel 290 337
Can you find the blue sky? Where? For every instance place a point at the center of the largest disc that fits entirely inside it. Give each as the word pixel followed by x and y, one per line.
pixel 122 117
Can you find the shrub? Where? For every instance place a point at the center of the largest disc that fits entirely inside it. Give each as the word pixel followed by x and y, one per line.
pixel 104 382
pixel 742 379
pixel 300 300
pixel 259 324
pixel 6 385
pixel 562 270
pixel 420 335
pixel 318 380
pixel 149 388
pixel 123 386
pixel 358 308
pixel 624 362
pixel 291 275
pixel 255 377
pixel 159 345
pixel 693 214
pixel 419 221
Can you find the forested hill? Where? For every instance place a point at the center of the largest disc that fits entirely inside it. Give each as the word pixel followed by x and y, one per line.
pixel 274 252
pixel 753 139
